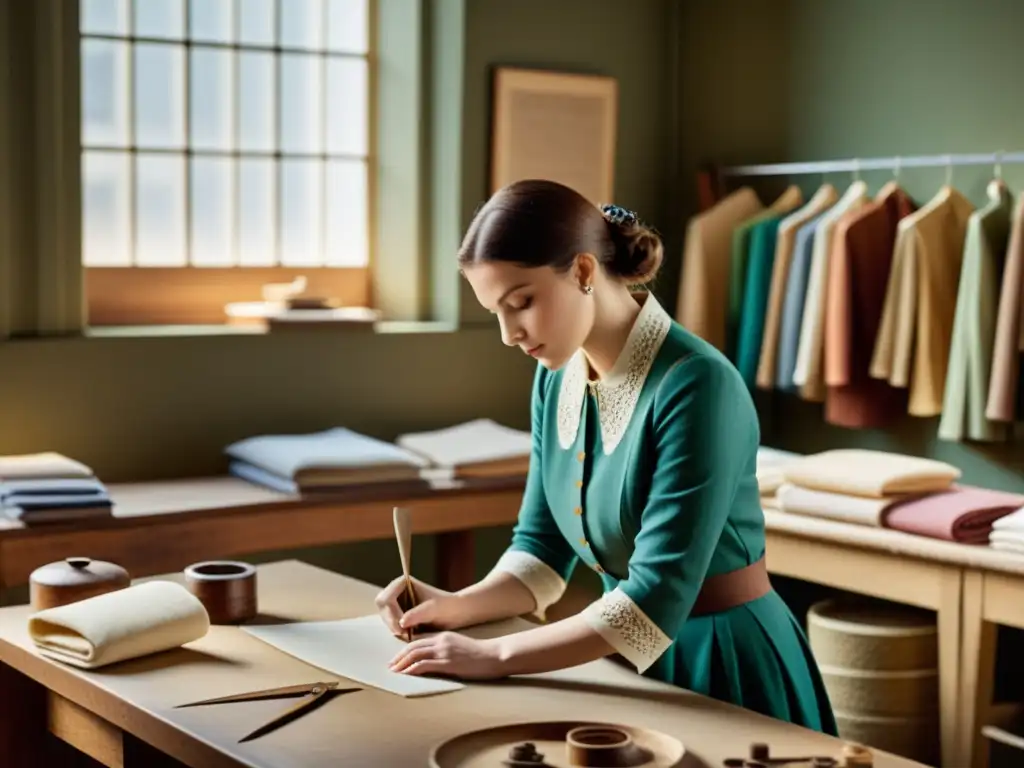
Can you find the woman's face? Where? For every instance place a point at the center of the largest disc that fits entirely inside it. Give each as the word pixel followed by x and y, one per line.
pixel 543 312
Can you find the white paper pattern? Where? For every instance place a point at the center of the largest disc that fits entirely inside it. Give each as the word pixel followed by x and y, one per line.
pixel 359 649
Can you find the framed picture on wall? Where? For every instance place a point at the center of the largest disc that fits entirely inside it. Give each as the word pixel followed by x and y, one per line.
pixel 555 125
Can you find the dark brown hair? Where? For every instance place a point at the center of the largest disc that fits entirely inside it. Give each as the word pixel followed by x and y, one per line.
pixel 538 223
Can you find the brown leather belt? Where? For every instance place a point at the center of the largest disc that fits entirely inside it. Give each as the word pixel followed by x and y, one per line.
pixel 729 590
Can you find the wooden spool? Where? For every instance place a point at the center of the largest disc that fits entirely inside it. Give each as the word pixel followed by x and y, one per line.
pixel 227 589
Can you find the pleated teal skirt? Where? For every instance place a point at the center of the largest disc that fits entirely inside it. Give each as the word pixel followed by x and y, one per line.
pixel 755 656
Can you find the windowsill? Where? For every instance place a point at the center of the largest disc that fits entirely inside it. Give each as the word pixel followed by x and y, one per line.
pixel 176 331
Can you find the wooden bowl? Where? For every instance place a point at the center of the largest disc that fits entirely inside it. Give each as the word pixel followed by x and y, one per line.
pixel 560 744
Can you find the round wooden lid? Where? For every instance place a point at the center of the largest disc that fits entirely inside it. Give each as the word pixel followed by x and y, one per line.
pixel 75 578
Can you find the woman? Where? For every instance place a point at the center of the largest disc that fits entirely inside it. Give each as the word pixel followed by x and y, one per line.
pixel 643 468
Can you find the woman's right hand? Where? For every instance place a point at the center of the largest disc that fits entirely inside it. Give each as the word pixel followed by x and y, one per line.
pixel 435 608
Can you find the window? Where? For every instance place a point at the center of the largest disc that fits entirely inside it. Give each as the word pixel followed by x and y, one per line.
pixel 225 144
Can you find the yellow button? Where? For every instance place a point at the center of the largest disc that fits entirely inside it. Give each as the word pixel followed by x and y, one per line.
pixel 578 510
pixel 583 542
pixel 579 483
pixel 580 455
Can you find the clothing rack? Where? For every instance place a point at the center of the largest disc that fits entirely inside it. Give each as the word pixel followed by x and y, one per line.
pixel 855 165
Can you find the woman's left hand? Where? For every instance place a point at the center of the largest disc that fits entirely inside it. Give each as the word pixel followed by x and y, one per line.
pixel 450 654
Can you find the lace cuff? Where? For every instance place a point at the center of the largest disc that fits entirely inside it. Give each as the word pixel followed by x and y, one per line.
pixel 627 628
pixel 540 578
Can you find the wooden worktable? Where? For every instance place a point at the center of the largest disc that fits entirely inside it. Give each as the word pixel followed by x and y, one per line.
pixel 162 527
pixel 124 715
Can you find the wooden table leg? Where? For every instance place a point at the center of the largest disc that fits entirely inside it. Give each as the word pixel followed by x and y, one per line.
pixel 456 560
pixel 977 673
pixel 24 738
pixel 948 617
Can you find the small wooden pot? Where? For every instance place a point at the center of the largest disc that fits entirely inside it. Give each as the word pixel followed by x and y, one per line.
pixel 227 589
pixel 74 579
pixel 599 746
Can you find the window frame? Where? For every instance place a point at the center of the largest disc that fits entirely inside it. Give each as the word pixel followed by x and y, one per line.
pixel 198 295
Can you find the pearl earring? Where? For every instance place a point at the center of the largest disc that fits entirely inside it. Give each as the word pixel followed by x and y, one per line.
pixel 588 289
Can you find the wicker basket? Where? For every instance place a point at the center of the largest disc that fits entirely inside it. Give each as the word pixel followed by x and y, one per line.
pixel 879 663
pixel 885 693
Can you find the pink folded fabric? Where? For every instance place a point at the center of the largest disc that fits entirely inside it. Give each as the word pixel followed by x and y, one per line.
pixel 963 514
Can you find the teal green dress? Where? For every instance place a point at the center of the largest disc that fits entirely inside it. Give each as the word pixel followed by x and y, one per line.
pixel 649 478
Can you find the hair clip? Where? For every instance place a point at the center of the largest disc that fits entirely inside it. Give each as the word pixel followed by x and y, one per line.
pixel 618 215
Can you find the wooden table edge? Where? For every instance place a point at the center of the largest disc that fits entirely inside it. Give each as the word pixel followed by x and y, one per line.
pixel 110 709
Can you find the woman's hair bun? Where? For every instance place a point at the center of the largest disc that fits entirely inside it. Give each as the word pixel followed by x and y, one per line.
pixel 638 248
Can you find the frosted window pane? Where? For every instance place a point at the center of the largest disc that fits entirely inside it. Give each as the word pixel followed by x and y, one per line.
pixel 346 106
pixel 104 17
pixel 212 218
pixel 256 101
pixel 106 232
pixel 160 211
pixel 347 225
pixel 301 213
pixel 302 24
pixel 211 20
pixel 105 92
pixel 348 28
pixel 256 22
pixel 160 18
pixel 211 98
pixel 301 115
pixel 159 95
pixel 256 219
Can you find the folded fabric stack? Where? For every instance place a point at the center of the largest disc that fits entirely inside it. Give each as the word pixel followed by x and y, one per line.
pixel 322 462
pixel 49 487
pixel 906 493
pixel 1008 532
pixel 771 463
pixel 477 449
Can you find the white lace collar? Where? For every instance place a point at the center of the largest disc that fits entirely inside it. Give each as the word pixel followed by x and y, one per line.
pixel 617 393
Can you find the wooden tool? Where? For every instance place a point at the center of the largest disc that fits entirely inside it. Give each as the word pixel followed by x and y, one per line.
pixel 403 533
pixel 313 692
pixel 760 757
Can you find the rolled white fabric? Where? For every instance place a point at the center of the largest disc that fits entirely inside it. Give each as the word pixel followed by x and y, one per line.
pixel 136 621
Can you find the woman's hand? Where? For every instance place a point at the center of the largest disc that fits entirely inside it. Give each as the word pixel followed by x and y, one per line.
pixel 435 608
pixel 452 655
